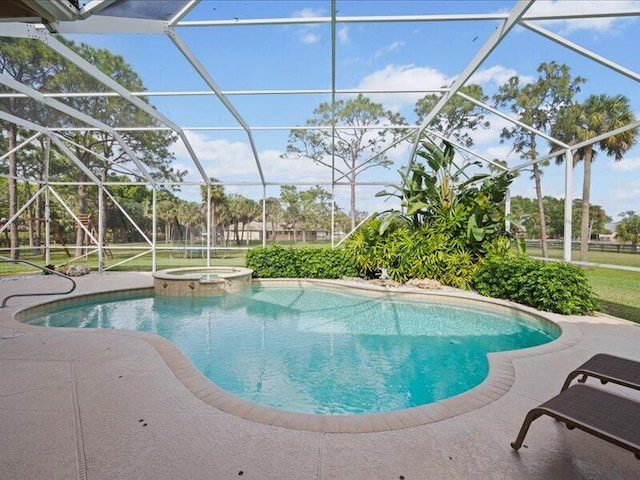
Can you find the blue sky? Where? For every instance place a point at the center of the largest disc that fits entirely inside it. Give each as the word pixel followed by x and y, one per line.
pixel 377 56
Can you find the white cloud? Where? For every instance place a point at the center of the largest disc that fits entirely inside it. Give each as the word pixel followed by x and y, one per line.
pixel 308 34
pixel 498 75
pixel 232 160
pixel 343 34
pixel 307 13
pixel 310 38
pixel 388 48
pixel 402 77
pixel 600 25
pixel 491 136
pixel 412 77
pixel 625 165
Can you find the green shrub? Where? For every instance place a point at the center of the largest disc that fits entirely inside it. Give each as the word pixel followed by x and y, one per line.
pixel 424 252
pixel 555 287
pixel 279 262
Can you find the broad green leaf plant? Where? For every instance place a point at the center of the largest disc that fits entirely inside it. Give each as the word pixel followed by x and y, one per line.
pixel 449 221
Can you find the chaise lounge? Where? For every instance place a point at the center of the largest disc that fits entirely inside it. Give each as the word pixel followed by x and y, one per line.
pixel 608 416
pixel 608 368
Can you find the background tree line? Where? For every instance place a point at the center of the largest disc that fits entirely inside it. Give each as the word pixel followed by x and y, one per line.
pixel 549 104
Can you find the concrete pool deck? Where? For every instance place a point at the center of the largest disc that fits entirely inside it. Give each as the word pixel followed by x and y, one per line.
pixel 106 404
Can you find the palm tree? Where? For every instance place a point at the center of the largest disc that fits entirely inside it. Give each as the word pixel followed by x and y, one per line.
pixel 597 115
pixel 274 213
pixel 165 211
pixel 190 215
pixel 537 105
pixel 217 197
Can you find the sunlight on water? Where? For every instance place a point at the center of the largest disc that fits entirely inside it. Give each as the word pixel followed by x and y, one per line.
pixel 317 351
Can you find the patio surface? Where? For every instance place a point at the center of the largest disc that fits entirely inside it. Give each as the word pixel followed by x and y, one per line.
pixel 105 404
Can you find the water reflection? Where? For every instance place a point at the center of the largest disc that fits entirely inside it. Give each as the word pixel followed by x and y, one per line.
pixel 319 351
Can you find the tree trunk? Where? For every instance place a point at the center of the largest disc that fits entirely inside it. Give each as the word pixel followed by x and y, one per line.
pixel 82 209
pixel 38 223
pixel 543 220
pixel 13 194
pixel 214 229
pixel 586 190
pixel 353 199
pixel 30 216
pixel 103 214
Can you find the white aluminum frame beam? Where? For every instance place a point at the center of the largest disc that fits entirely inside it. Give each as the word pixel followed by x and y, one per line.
pixel 581 51
pixel 64 149
pixel 517 12
pixel 39 128
pixel 107 24
pixel 404 18
pixel 256 128
pixel 568 205
pixel 94 6
pixel 229 93
pixel 55 104
pixel 97 155
pixel 22 209
pixel 512 119
pixel 96 73
pixel 465 149
pixel 204 74
pixel 73 215
pixel 23 144
pixel 184 11
pixel 333 125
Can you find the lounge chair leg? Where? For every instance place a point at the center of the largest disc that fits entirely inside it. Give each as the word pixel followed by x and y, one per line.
pixel 570 378
pixel 531 416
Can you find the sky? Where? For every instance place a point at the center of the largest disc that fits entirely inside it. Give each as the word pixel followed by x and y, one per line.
pixel 408 55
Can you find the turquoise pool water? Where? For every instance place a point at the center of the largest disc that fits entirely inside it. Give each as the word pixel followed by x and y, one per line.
pixel 318 351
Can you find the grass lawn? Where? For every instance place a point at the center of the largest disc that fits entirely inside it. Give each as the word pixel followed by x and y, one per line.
pixel 618 291
pixel 174 258
pixel 613 258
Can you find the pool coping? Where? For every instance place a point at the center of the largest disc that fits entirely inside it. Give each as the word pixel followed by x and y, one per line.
pixel 498 382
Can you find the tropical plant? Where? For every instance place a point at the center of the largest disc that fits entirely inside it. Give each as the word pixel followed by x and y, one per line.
pixel 579 122
pixel 451 220
pixel 446 198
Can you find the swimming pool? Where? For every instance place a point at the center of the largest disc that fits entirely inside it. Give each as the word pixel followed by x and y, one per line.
pixel 321 351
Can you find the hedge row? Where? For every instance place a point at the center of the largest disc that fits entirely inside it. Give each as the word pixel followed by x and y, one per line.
pixel 306 262
pixel 553 287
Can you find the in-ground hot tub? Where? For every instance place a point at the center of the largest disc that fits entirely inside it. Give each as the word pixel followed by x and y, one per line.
pixel 201 281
